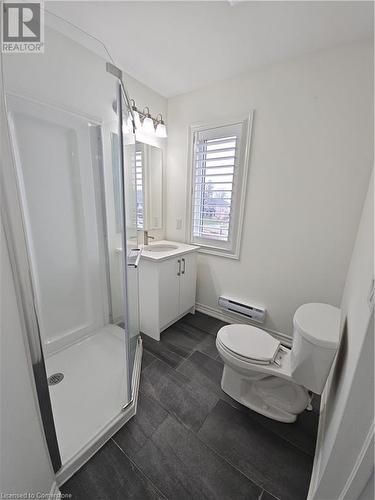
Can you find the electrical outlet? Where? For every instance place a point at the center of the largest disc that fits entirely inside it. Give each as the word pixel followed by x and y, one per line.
pixel 179 223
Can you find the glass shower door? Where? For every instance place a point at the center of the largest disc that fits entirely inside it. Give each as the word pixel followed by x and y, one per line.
pixel 64 218
pixel 133 252
pixel 124 189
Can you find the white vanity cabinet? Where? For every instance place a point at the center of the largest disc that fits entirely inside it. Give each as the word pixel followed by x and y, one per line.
pixel 167 287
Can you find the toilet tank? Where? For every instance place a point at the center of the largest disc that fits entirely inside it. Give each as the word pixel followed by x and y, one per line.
pixel 316 338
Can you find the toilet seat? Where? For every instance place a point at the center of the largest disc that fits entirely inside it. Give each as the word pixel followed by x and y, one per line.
pixel 249 343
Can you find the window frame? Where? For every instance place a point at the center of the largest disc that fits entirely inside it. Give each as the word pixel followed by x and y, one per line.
pixel 232 248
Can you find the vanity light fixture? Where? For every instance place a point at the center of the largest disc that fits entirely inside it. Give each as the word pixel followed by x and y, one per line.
pixel 147 123
pixel 161 129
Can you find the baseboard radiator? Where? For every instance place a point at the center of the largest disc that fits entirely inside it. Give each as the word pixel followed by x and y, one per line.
pixel 246 311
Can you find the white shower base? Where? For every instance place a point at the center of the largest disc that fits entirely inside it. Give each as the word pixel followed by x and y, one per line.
pixel 92 392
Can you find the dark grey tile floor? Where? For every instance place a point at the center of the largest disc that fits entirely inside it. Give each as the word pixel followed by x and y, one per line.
pixel 189 440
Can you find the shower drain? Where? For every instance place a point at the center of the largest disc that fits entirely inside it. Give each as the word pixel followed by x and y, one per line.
pixel 55 378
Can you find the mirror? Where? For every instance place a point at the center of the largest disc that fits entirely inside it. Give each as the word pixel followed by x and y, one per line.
pixel 148 178
pixel 149 184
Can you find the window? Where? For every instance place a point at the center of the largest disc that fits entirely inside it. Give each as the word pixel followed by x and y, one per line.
pixel 139 185
pixel 219 171
pixel 116 180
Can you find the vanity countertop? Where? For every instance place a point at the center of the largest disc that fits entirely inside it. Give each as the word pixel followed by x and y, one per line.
pixel 157 253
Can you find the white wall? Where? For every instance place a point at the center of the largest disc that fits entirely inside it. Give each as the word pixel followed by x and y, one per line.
pixel 24 459
pixel 347 412
pixel 309 169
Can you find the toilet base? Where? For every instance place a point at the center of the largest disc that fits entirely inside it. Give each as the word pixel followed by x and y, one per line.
pixel 270 396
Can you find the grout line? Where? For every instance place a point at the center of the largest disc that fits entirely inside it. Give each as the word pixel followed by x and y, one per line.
pixel 294 445
pixel 204 421
pixel 202 330
pixel 199 328
pixel 185 327
pixel 280 436
pixel 208 355
pixel 197 346
pixel 252 480
pixel 139 470
pixel 273 496
pixel 183 361
pixel 189 356
pixel 158 357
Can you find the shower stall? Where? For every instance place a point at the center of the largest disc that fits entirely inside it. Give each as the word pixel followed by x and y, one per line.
pixel 69 213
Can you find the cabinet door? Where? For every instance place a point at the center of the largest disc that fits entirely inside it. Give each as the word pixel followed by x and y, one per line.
pixel 188 281
pixel 169 290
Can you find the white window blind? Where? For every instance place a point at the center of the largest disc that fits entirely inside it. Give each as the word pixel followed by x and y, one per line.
pixel 139 185
pixel 218 174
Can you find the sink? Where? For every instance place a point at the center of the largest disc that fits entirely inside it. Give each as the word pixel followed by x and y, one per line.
pixel 161 247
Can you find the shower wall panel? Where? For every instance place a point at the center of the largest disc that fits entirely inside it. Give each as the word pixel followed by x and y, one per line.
pixel 55 171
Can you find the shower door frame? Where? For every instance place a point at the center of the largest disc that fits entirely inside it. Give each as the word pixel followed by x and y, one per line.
pixel 129 395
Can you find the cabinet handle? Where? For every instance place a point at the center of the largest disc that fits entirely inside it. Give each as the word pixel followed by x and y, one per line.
pixel 183 269
pixel 179 268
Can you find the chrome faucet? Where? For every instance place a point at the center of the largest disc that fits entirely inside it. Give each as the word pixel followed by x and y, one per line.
pixel 146 237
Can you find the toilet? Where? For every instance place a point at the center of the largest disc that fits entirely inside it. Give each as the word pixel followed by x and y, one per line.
pixel 274 380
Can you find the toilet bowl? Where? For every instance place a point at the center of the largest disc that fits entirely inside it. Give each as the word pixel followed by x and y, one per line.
pixel 271 379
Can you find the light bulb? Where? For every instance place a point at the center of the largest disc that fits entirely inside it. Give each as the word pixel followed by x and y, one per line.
pixel 161 130
pixel 137 120
pixel 148 125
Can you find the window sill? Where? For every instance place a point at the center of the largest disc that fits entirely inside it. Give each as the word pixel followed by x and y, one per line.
pixel 217 252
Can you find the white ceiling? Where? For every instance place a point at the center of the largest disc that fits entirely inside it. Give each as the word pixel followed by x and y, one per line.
pixel 176 47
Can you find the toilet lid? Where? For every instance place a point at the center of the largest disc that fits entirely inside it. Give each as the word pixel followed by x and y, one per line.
pixel 249 342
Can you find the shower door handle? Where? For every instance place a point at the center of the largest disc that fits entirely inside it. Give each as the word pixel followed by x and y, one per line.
pixel 134 257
